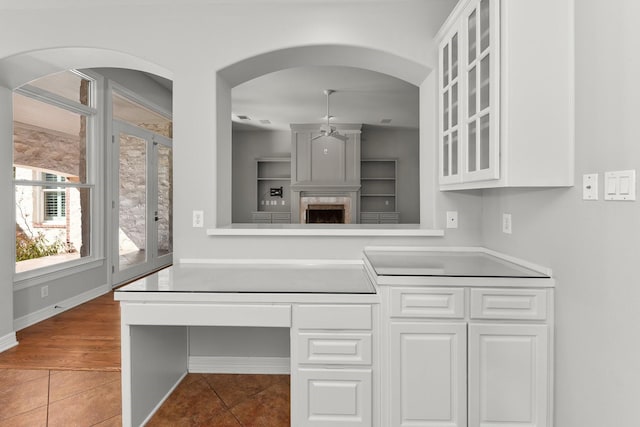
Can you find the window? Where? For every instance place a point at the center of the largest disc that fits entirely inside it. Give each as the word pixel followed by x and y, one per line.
pixel 53 144
pixel 54 199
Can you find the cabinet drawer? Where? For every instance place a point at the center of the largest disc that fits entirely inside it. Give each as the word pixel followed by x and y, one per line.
pixel 432 302
pixel 281 217
pixel 331 397
pixel 332 316
pixel 329 348
pixel 516 304
pixel 390 216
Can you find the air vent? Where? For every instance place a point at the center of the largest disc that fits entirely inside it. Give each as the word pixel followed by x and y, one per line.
pixel 385 121
pixel 244 117
pixel 265 122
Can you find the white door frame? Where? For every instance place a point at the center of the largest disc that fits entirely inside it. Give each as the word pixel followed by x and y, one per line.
pixel 153 261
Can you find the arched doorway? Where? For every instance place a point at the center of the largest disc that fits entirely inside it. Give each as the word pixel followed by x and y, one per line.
pixel 299 57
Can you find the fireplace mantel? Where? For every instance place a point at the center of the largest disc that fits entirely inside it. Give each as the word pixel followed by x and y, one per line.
pixel 326 187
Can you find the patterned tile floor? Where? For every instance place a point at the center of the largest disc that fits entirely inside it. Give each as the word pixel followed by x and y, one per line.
pixel 32 398
pixel 66 372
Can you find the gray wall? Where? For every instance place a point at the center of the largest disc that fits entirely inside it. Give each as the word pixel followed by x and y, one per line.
pixel 377 142
pixel 592 246
pixel 246 148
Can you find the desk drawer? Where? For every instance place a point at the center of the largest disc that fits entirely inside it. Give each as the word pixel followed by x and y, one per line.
pixel 516 304
pixel 334 348
pixel 445 303
pixel 206 314
pixel 332 316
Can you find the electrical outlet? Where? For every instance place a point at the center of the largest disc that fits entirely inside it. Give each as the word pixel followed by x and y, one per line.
pixel 198 219
pixel 44 291
pixel 506 223
pixel 452 219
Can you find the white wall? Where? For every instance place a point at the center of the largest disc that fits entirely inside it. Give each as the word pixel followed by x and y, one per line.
pixel 592 246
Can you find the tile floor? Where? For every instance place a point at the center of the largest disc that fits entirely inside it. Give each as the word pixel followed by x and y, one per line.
pixel 33 398
pixel 66 372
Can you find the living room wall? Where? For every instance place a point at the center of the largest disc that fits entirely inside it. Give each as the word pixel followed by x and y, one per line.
pixel 377 142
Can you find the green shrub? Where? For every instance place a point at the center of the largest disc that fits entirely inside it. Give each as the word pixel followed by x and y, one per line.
pixel 36 247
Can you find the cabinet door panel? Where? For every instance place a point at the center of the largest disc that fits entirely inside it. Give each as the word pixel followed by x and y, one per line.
pixel 508 382
pixel 331 398
pixel 428 374
pixel 334 348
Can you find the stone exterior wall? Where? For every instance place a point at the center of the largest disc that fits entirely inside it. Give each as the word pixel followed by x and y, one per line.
pixel 42 150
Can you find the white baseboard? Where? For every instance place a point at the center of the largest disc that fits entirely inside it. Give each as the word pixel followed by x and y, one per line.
pixel 52 310
pixel 239 365
pixel 8 341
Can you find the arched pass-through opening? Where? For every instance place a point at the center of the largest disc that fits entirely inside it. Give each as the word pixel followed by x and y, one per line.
pixel 16 70
pixel 302 56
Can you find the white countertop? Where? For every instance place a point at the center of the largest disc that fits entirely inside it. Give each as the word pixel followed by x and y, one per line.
pixel 260 278
pixel 447 266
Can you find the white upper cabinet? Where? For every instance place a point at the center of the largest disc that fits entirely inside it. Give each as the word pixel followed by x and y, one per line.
pixel 506 95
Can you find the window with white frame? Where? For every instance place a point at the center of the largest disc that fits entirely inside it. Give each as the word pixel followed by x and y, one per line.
pixel 53 148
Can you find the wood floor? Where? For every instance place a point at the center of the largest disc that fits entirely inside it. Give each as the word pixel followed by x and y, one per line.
pixel 84 338
pixel 65 372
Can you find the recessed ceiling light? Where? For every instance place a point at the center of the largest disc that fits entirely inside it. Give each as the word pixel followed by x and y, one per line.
pixel 385 121
pixel 244 117
pixel 265 122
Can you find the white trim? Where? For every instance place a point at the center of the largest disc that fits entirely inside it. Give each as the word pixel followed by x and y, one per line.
pixel 42 275
pixel 52 310
pixel 132 96
pixel 239 365
pixel 8 341
pixel 161 402
pixel 347 230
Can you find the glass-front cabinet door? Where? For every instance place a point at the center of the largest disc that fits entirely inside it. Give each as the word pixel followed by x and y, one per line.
pixel 469 90
pixel 481 74
pixel 449 96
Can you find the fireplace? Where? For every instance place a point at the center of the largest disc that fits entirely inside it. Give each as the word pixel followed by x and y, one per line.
pixel 316 209
pixel 325 214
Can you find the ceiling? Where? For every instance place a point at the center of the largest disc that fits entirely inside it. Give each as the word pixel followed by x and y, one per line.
pixel 295 95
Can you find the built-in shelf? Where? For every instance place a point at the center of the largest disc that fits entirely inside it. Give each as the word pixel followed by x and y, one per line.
pixel 378 191
pixel 273 173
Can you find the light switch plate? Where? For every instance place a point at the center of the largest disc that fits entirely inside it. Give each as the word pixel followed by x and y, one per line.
pixel 590 186
pixel 620 185
pixel 198 219
pixel 506 223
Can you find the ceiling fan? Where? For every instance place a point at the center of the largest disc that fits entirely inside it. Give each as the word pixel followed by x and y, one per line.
pixel 326 129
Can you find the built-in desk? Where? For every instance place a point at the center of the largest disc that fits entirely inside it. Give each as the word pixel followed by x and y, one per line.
pixel 330 309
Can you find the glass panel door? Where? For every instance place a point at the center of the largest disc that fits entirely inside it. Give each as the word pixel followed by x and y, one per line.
pixel 164 213
pixel 450 109
pixel 481 121
pixel 132 200
pixel 142 202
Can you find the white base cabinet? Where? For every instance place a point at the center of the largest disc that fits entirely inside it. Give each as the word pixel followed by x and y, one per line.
pixel 508 375
pixel 467 356
pixel 332 365
pixel 428 374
